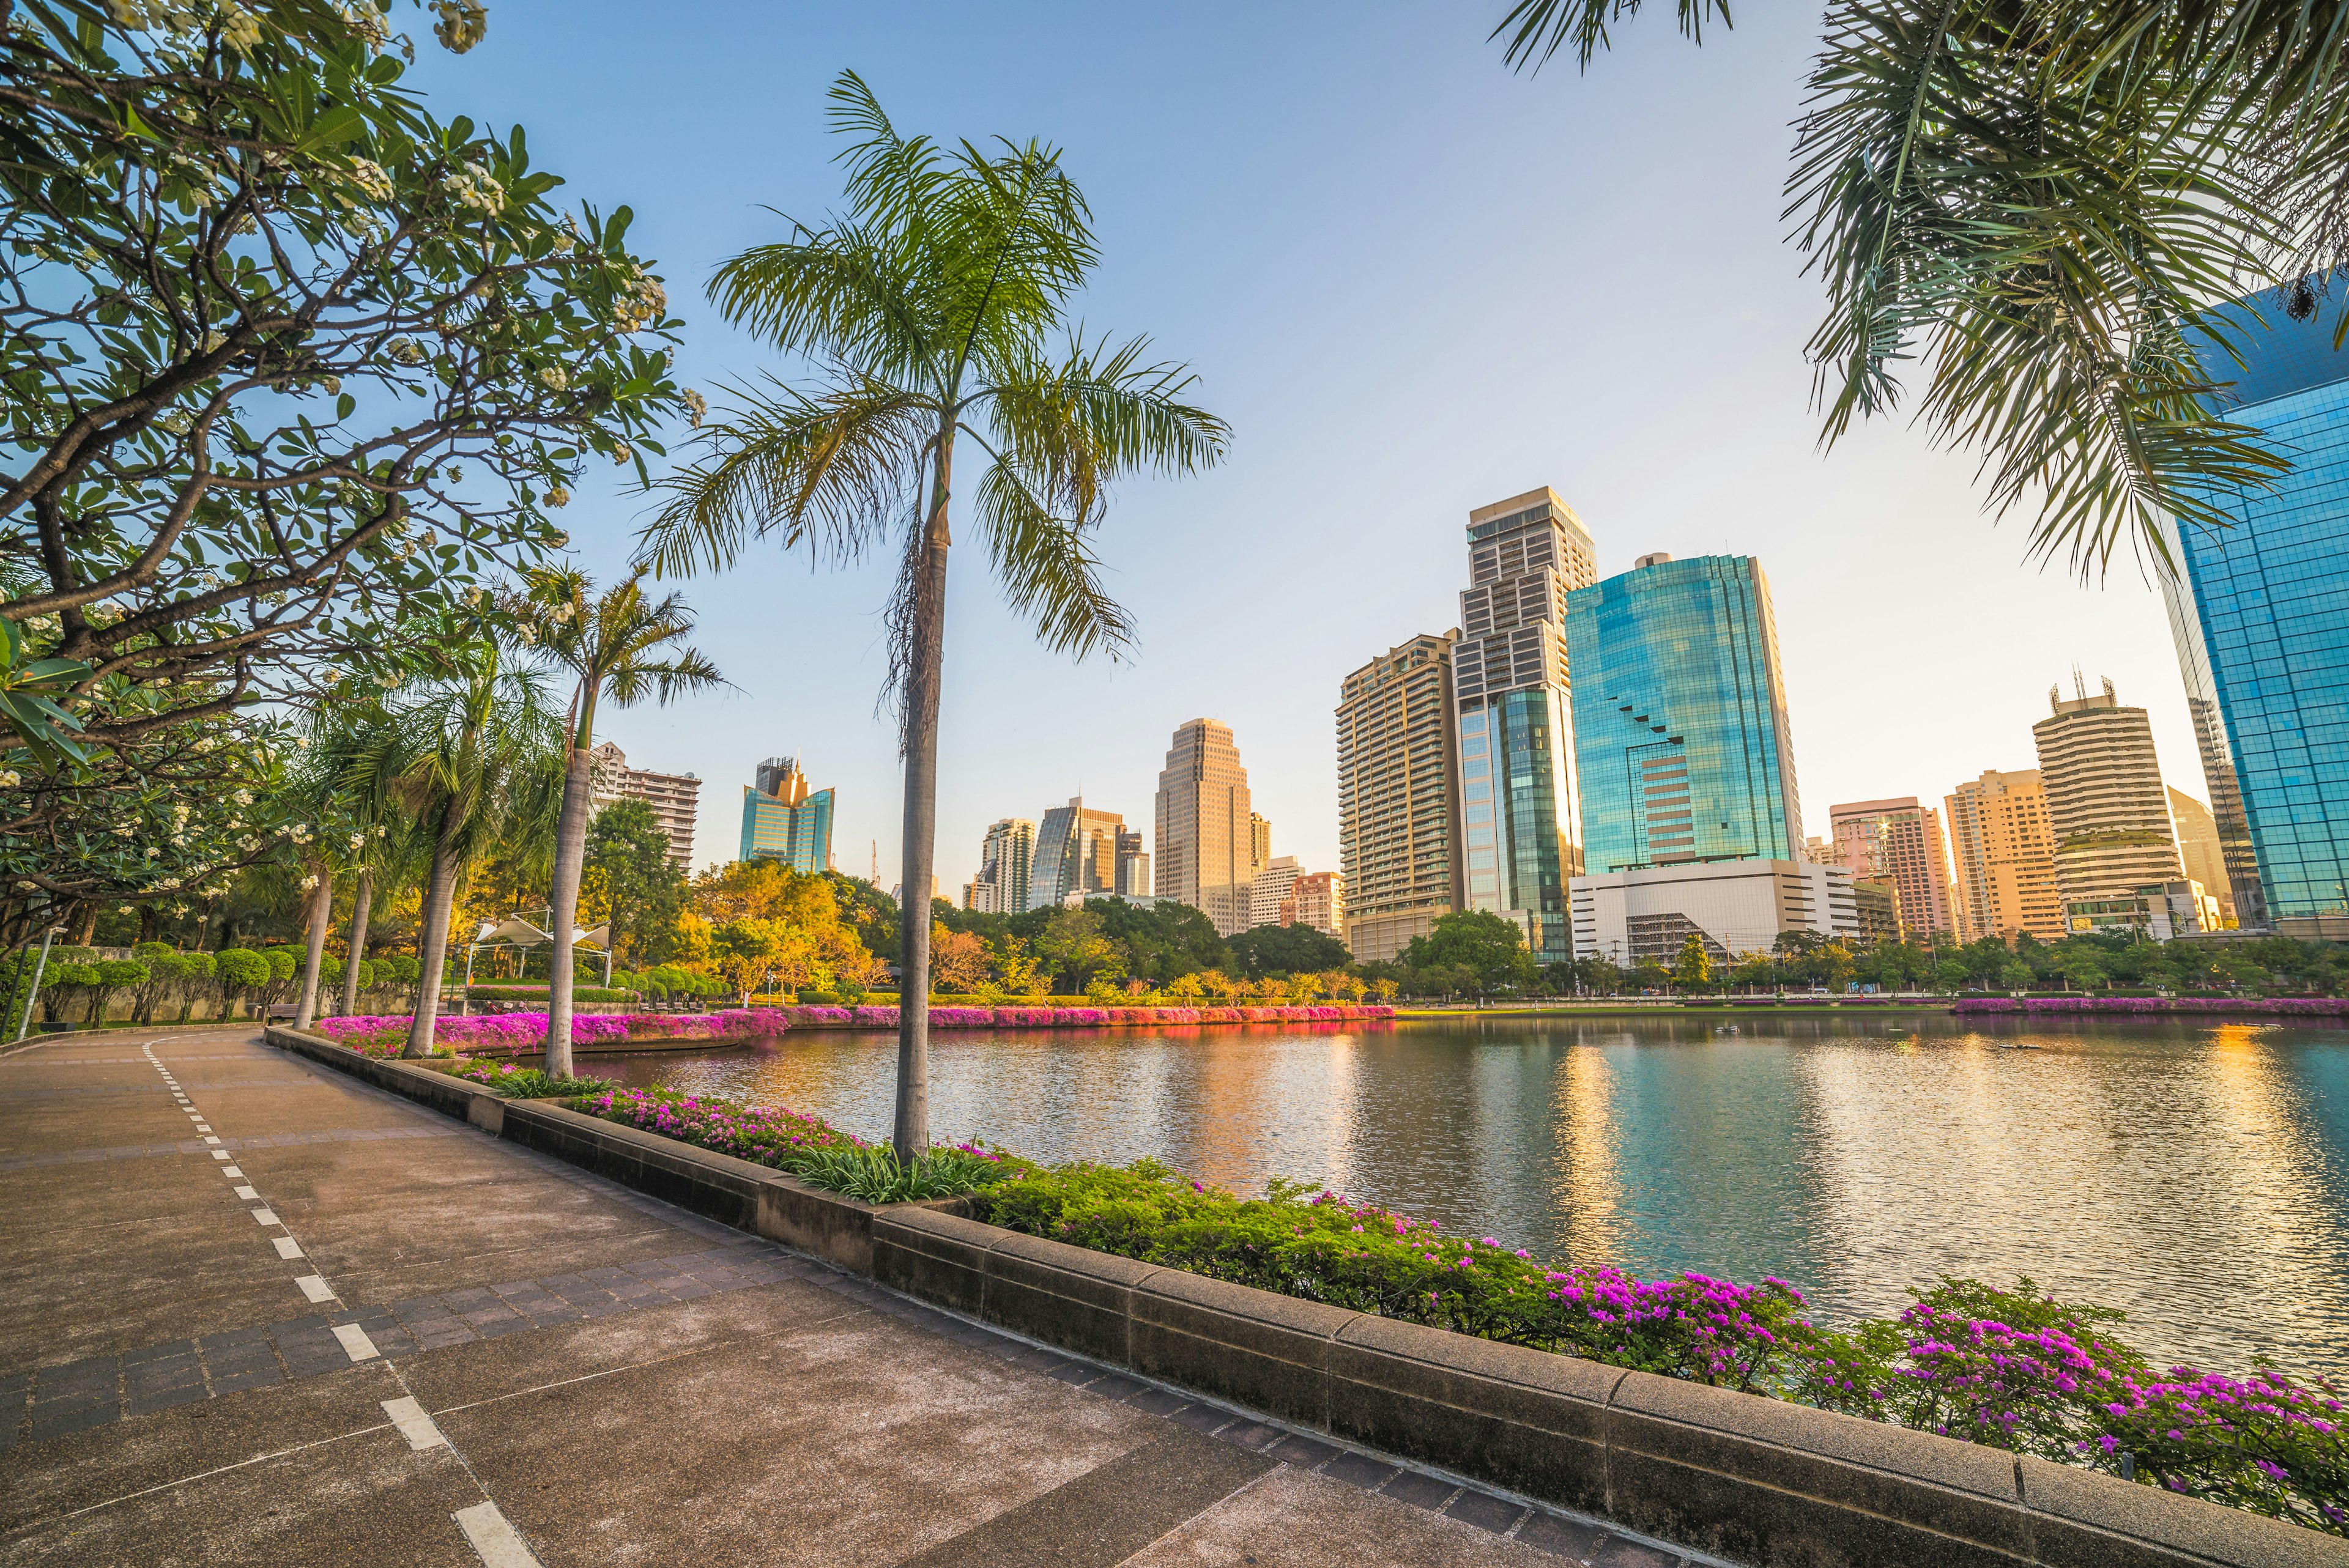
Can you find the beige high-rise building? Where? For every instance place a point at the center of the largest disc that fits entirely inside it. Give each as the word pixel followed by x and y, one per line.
pixel 2106 803
pixel 1274 879
pixel 2004 849
pixel 1206 839
pixel 1317 898
pixel 1398 797
pixel 2203 853
pixel 1899 841
pixel 675 798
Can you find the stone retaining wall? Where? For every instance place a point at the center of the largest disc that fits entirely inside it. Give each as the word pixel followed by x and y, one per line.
pixel 1755 1480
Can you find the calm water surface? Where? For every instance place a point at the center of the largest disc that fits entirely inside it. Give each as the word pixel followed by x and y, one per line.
pixel 2195 1175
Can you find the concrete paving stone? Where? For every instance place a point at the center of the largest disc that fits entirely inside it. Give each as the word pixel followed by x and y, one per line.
pixel 1574 1538
pixel 689 1290
pixel 499 1327
pixel 1305 1453
pixel 478 1315
pixel 1114 1386
pixel 368 1500
pixel 1251 1435
pixel 1620 1553
pixel 64 1423
pixel 1361 1470
pixel 1293 1519
pixel 1485 1512
pixel 251 1378
pixel 1202 1418
pixel 1156 1402
pixel 740 1441
pixel 600 1309
pixel 148 1403
pixel 170 1350
pixel 1039 1358
pixel 1076 1374
pixel 1420 1489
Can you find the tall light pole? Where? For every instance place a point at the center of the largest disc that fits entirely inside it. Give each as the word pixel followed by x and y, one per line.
pixel 39 969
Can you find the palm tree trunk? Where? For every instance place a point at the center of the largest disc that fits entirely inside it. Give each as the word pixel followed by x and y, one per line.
pixel 911 1134
pixel 432 938
pixel 355 948
pixel 570 851
pixel 322 914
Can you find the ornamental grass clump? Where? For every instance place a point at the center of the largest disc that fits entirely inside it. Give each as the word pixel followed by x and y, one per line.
pixel 530 1083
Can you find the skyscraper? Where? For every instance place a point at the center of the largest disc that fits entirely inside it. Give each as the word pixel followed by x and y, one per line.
pixel 2201 852
pixel 1206 840
pixel 1398 797
pixel 2003 846
pixel 675 798
pixel 1133 864
pixel 1006 857
pixel 1681 736
pixel 2263 641
pixel 2106 800
pixel 1076 853
pixel 1516 730
pixel 1899 841
pixel 1317 898
pixel 784 819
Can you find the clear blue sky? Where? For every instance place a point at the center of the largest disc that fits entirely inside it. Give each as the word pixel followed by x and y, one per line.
pixel 1414 282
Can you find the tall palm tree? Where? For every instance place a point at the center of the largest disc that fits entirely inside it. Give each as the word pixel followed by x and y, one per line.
pixel 620 647
pixel 2046 208
pixel 474 755
pixel 928 310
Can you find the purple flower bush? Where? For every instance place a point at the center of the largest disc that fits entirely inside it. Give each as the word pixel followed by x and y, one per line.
pixel 508 1032
pixel 770 1135
pixel 1038 1017
pixel 2012 1369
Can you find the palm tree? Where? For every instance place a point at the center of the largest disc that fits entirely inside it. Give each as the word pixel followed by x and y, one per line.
pixel 473 755
pixel 617 646
pixel 2050 208
pixel 927 309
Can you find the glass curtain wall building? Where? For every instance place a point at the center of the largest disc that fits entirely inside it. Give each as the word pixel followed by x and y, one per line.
pixel 2262 625
pixel 784 819
pixel 1076 853
pixel 1680 737
pixel 1516 730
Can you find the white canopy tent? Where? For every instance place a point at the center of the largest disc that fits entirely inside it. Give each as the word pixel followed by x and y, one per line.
pixel 514 931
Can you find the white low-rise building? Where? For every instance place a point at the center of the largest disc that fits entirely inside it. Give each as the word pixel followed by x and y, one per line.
pixel 1735 906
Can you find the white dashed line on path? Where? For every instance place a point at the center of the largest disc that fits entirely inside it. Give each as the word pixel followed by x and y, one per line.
pixel 287 1247
pixel 219 1153
pixel 316 1287
pixel 248 1194
pixel 496 1541
pixel 356 1343
pixel 231 1172
pixel 414 1425
pixel 264 1217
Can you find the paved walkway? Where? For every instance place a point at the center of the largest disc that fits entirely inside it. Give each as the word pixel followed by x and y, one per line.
pixel 252 1311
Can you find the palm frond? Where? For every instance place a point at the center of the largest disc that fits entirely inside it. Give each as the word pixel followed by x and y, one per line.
pixel 1539 28
pixel 833 469
pixel 1046 570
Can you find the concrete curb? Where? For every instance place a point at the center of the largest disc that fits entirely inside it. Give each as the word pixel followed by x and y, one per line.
pixel 1751 1479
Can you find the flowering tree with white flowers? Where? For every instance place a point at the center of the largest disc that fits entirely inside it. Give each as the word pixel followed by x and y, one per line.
pixel 285 363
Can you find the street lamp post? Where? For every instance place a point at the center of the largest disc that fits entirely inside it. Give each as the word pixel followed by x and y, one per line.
pixel 39 969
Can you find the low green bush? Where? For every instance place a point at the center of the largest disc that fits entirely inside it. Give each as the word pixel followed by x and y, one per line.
pixel 532 1083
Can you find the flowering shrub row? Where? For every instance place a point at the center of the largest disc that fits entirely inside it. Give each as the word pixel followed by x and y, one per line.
pixel 2010 1368
pixel 384 1036
pixel 885 1017
pixel 804 1145
pixel 2282 1006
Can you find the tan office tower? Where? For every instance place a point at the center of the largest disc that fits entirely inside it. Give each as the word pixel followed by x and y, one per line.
pixel 1899 841
pixel 674 796
pixel 2004 850
pixel 1206 840
pixel 1398 797
pixel 2107 801
pixel 2203 851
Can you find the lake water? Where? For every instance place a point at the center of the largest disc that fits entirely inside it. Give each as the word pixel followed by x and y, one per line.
pixel 2194 1174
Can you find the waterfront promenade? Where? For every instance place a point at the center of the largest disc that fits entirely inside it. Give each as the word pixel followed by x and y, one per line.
pixel 256 1312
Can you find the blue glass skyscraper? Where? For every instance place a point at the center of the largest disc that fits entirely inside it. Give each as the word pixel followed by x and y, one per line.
pixel 784 819
pixel 1681 739
pixel 2262 624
